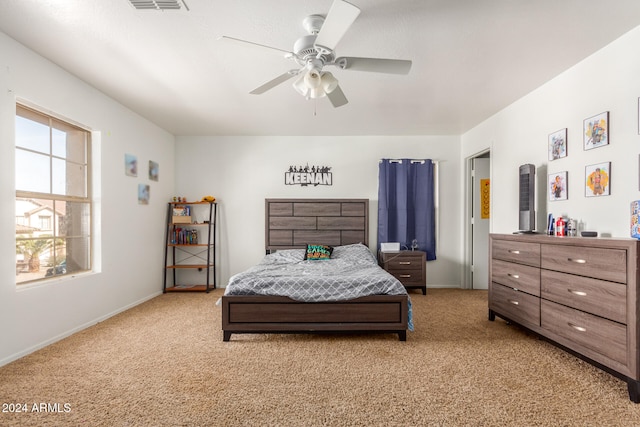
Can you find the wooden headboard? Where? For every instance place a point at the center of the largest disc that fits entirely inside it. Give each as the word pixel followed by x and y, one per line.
pixel 292 223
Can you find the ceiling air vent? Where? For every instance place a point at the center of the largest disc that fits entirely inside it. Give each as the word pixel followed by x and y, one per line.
pixel 158 4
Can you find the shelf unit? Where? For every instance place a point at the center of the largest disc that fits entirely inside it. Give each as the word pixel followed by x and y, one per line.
pixel 190 249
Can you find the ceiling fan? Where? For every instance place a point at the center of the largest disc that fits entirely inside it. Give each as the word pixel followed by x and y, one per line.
pixel 316 50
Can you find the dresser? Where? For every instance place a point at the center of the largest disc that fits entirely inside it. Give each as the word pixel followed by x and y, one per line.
pixel 410 267
pixel 579 293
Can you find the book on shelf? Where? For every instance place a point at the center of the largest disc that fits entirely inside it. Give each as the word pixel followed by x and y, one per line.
pixel 184 236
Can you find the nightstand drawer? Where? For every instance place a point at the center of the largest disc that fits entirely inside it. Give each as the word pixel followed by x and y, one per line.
pixel 515 305
pixel 408 277
pixel 601 263
pixel 520 252
pixel 595 333
pixel 404 263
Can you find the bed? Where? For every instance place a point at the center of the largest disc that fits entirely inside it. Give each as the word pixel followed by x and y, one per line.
pixel 255 300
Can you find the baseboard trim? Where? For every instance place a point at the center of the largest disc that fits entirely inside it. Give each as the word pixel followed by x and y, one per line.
pixel 70 332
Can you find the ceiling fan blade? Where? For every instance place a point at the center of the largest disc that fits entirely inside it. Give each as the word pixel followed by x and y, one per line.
pixel 340 17
pixel 281 52
pixel 275 82
pixel 376 65
pixel 337 97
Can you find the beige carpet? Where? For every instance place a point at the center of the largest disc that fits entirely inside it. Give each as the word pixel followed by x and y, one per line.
pixel 164 363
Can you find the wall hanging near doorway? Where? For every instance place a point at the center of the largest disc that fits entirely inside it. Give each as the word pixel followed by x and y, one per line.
pixel 485 198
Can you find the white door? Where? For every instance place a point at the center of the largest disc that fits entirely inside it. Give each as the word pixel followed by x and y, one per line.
pixel 480 223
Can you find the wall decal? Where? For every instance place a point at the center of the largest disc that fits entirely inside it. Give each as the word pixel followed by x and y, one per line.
pixel 306 175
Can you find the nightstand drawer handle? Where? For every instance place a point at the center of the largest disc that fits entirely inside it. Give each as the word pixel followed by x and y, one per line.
pixel 404 262
pixel 514 276
pixel 577 260
pixel 513 302
pixel 579 293
pixel 405 276
pixel 576 327
pixel 514 251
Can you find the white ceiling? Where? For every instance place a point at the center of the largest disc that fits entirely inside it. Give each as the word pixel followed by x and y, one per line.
pixel 471 58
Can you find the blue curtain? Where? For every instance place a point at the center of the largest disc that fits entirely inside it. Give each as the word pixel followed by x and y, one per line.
pixel 406 209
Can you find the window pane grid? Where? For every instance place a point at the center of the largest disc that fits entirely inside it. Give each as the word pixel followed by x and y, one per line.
pixel 53 207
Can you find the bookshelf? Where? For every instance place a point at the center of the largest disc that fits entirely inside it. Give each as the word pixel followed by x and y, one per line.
pixel 190 247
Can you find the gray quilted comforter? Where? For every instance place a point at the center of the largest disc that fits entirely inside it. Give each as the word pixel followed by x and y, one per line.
pixel 351 272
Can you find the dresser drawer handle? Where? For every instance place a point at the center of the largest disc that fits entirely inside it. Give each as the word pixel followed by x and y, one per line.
pixel 405 263
pixel 405 276
pixel 577 260
pixel 515 276
pixel 579 293
pixel 576 327
pixel 514 251
pixel 513 302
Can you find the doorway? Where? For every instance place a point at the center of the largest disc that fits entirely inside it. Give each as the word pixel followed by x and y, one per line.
pixel 478 220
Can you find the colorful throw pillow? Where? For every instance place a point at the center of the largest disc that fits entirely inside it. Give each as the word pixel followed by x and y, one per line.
pixel 318 252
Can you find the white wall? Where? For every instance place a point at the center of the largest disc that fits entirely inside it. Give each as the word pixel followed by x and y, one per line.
pixel 131 235
pixel 606 81
pixel 242 171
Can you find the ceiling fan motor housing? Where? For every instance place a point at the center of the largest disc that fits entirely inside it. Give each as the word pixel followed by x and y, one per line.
pixel 304 48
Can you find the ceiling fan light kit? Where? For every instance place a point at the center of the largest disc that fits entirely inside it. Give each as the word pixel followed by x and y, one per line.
pixel 316 50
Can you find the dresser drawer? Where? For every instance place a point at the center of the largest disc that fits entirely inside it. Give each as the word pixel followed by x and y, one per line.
pixel 604 299
pixel 600 263
pixel 522 277
pixel 515 305
pixel 600 335
pixel 520 252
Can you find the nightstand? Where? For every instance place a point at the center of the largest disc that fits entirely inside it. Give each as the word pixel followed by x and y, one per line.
pixel 410 267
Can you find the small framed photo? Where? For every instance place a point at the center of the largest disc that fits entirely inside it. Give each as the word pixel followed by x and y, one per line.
pixel 638 116
pixel 153 171
pixel 596 131
pixel 558 186
pixel 558 144
pixel 597 180
pixel 143 194
pixel 130 165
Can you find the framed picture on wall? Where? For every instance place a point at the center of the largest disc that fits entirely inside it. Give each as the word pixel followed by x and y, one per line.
pixel 130 165
pixel 596 131
pixel 558 186
pixel 143 194
pixel 597 180
pixel 153 170
pixel 558 144
pixel 638 115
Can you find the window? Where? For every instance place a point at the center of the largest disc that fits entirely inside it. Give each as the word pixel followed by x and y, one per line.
pixel 53 204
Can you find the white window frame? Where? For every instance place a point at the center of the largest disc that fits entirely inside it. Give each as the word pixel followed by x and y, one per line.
pixel 59 198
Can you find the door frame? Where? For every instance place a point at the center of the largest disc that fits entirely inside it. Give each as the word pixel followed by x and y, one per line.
pixel 467 278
